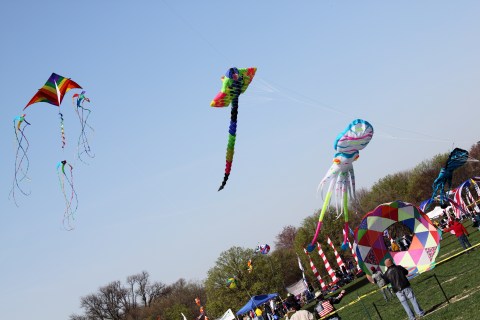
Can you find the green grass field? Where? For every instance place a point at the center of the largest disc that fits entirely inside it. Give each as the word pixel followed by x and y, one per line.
pixel 458 277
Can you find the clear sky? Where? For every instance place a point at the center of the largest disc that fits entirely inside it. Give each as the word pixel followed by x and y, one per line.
pixel 149 200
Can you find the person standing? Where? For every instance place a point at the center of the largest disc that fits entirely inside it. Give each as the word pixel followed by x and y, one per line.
pixel 460 232
pixel 397 276
pixel 377 277
pixel 301 314
pixel 259 313
pixel 325 306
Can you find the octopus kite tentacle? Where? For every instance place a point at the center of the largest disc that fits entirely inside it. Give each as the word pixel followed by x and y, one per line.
pixel 22 162
pixel 234 83
pixel 83 114
pixel 340 178
pixel 71 199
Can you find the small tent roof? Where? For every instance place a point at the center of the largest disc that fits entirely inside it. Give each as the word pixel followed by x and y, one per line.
pixel 256 301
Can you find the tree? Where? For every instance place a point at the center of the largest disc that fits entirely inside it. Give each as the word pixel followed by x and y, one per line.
pixel 265 277
pixel 286 238
pixel 110 303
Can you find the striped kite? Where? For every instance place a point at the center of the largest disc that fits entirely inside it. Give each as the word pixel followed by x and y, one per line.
pixel 52 92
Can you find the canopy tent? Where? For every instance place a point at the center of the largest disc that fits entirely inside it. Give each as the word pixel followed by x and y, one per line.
pixel 297 288
pixel 228 315
pixel 436 212
pixel 256 301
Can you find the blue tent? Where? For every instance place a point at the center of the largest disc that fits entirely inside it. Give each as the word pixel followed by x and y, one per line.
pixel 256 301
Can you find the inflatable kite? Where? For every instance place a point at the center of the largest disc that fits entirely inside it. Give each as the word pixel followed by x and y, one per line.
pixel 22 163
pixel 464 196
pixel 83 113
pixel 70 196
pixel 372 250
pixel 456 159
pixel 263 249
pixel 340 177
pixel 234 83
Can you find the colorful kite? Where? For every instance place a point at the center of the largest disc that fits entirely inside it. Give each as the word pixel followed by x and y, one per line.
pixel 83 114
pixel 457 158
pixel 340 177
pixel 263 249
pixel 231 283
pixel 372 250
pixel 53 92
pixel 22 163
pixel 249 266
pixel 70 196
pixel 465 198
pixel 234 83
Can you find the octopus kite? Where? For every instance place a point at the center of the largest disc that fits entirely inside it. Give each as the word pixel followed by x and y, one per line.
pixel 234 83
pixel 340 177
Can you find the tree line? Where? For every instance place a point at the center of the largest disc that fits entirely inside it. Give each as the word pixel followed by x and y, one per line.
pixel 140 298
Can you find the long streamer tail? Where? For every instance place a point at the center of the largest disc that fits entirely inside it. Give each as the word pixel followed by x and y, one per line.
pixel 62 129
pixel 22 162
pixel 71 198
pixel 232 133
pixel 83 145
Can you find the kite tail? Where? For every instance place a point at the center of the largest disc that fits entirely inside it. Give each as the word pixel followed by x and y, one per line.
pixel 22 162
pixel 71 200
pixel 232 134
pixel 83 143
pixel 62 130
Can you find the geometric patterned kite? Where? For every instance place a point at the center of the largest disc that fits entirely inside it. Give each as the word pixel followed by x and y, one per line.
pixel 371 248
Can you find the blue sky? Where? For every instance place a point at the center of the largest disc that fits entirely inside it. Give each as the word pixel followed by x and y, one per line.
pixel 149 200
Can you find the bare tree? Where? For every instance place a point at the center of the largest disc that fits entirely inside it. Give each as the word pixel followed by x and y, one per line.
pixel 286 238
pixel 143 281
pixel 112 302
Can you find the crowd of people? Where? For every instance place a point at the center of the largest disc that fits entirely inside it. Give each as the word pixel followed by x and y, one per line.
pixel 393 282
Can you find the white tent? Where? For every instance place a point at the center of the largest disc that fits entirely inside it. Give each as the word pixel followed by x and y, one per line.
pixel 436 212
pixel 297 288
pixel 228 315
